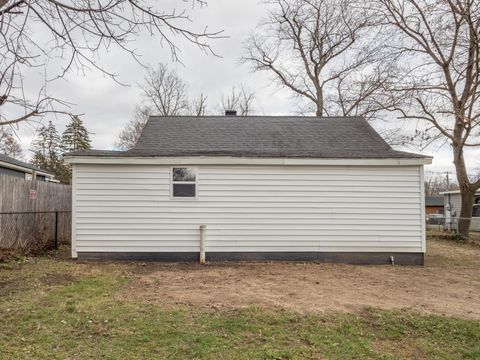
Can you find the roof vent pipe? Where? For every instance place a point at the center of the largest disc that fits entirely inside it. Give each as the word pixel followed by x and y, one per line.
pixel 230 112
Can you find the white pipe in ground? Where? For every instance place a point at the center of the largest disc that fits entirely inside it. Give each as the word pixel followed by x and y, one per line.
pixel 202 244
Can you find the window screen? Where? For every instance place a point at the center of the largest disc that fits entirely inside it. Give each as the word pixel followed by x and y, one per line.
pixel 183 182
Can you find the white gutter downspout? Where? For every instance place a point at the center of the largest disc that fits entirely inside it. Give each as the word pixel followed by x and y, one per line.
pixel 202 244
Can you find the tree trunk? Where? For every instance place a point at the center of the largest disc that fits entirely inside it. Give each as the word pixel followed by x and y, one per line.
pixel 466 213
pixel 466 192
pixel 319 102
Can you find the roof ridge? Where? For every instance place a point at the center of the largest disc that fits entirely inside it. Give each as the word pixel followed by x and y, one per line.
pixel 257 116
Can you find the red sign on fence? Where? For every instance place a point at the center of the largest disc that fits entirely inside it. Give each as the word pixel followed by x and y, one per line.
pixel 32 194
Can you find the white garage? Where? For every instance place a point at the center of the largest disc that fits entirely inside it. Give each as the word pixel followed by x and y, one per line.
pixel 270 188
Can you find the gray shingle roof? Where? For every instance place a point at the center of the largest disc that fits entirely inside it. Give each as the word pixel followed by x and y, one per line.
pixel 10 160
pixel 260 136
pixel 434 201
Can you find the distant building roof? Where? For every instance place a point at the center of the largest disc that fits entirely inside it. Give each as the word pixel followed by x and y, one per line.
pixel 434 201
pixel 11 163
pixel 259 136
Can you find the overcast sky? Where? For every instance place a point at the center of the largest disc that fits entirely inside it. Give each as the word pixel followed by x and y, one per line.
pixel 108 106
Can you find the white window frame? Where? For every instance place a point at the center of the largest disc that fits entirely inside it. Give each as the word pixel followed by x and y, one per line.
pixel 475 217
pixel 476 202
pixel 183 198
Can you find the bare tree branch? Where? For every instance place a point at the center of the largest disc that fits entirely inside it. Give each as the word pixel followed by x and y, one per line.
pixel 241 100
pixel 73 34
pixel 198 107
pixel 438 47
pixel 323 52
pixel 129 135
pixel 165 92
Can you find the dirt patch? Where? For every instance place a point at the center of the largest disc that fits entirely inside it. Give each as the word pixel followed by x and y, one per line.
pixel 449 285
pixel 56 279
pixel 16 284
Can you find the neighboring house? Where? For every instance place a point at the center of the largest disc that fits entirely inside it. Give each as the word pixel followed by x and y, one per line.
pixel 434 205
pixel 454 199
pixel 17 168
pixel 289 188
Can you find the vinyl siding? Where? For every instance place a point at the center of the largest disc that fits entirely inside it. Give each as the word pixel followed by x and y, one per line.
pixel 249 208
pixel 456 202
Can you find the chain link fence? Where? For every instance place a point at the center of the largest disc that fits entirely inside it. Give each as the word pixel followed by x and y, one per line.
pixel 441 223
pixel 438 222
pixel 34 232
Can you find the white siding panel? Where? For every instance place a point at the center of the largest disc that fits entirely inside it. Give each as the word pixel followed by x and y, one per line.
pixel 456 202
pixel 250 208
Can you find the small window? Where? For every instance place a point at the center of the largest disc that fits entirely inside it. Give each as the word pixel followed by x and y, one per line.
pixel 476 211
pixel 184 182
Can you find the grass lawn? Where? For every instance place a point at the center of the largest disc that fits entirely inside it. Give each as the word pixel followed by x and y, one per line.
pixel 59 309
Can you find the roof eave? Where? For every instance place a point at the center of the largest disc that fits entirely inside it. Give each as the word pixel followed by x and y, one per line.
pixel 226 160
pixel 25 169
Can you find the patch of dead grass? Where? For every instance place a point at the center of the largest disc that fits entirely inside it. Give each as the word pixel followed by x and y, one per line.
pixel 449 284
pixel 403 349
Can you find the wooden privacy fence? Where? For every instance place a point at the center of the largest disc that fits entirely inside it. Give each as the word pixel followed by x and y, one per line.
pixel 34 215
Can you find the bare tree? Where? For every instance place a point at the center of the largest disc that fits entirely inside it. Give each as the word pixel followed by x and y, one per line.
pixel 9 144
pixel 129 135
pixel 72 35
pixel 241 100
pixel 438 47
pixel 164 92
pixel 323 52
pixel 198 107
pixel 435 184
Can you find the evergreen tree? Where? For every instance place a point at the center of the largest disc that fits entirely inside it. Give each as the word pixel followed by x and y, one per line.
pixel 8 144
pixel 46 146
pixel 75 137
pixel 47 152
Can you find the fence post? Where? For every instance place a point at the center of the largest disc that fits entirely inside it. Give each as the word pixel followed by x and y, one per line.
pixel 56 230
